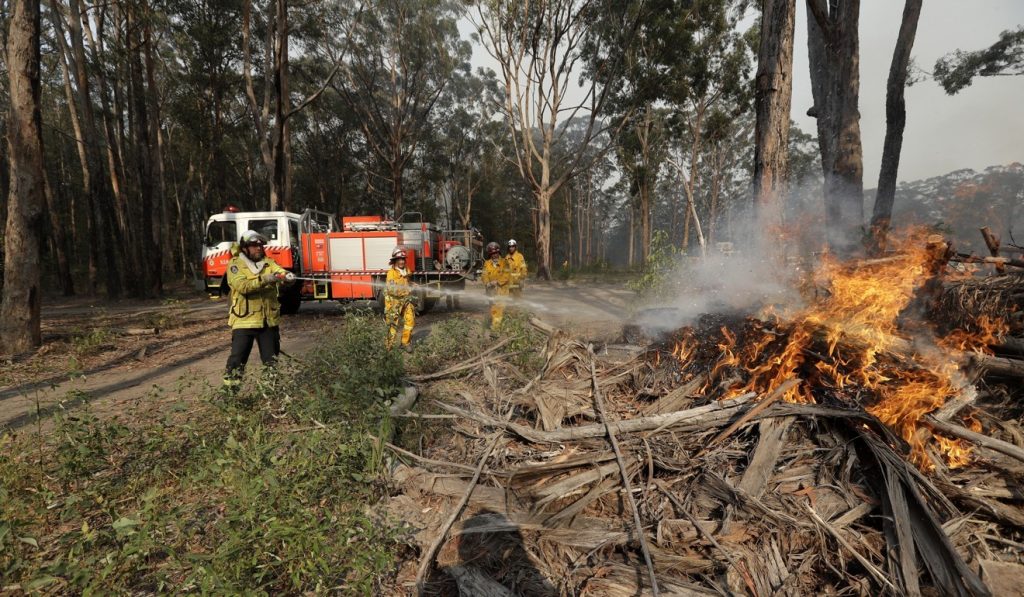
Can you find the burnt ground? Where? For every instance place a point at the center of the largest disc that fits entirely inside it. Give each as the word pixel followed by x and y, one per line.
pixel 87 363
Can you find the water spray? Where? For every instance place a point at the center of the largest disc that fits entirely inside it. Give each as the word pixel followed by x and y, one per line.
pixel 529 305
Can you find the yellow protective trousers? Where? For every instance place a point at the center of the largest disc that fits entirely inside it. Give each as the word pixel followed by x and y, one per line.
pixel 497 314
pixel 498 303
pixel 399 313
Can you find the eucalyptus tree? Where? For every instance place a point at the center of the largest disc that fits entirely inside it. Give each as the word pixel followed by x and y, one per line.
pixel 22 294
pixel 402 56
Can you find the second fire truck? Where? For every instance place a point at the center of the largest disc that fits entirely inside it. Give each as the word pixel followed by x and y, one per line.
pixel 346 261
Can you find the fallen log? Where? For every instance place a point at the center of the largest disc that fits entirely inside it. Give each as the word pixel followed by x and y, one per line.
pixel 905 350
pixel 405 400
pixel 1001 366
pixel 997 261
pixel 1010 344
pixel 998 445
pixel 709 415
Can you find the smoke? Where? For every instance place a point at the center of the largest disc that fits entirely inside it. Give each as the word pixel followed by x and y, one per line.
pixel 764 268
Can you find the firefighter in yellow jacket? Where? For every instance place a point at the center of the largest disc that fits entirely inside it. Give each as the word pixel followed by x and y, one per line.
pixel 399 311
pixel 516 269
pixel 496 281
pixel 255 313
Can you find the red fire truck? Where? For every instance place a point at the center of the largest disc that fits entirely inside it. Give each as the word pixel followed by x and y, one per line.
pixel 346 262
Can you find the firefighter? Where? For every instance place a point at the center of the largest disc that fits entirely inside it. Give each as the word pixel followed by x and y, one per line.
pixel 255 313
pixel 516 269
pixel 399 311
pixel 496 280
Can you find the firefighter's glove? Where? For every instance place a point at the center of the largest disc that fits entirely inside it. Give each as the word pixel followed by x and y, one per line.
pixel 269 278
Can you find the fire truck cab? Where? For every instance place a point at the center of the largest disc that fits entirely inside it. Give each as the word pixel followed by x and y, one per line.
pixel 281 229
pixel 347 262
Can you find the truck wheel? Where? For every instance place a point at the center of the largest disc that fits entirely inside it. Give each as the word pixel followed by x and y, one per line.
pixel 291 300
pixel 378 303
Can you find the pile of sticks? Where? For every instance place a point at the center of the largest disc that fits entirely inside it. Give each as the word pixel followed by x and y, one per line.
pixel 621 470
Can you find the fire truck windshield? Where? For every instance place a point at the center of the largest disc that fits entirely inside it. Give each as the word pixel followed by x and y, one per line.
pixel 219 232
pixel 268 228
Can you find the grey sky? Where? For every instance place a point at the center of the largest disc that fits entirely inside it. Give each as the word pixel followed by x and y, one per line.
pixel 981 126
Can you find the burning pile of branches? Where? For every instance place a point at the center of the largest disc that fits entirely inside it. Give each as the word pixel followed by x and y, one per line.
pixel 847 446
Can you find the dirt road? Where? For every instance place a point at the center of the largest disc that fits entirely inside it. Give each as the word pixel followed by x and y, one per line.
pixel 139 375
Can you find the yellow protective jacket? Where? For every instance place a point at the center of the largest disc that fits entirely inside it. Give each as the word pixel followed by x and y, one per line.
pixel 497 274
pixel 254 303
pixel 516 267
pixel 396 286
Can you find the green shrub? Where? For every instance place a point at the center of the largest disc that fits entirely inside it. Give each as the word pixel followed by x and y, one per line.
pixel 262 493
pixel 661 268
pixel 89 343
pixel 450 341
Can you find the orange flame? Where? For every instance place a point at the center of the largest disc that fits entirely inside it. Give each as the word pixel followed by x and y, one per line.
pixel 988 331
pixel 857 321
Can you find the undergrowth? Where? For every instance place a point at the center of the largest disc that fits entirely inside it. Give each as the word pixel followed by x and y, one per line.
pixel 660 272
pixel 266 492
pixel 262 493
pixel 460 338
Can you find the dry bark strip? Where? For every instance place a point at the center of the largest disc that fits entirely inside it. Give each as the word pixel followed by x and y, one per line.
pixel 473 582
pixel 599 401
pixel 769 447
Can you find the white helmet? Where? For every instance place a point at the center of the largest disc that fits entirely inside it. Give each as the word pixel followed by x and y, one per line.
pixel 251 237
pixel 512 242
pixel 397 254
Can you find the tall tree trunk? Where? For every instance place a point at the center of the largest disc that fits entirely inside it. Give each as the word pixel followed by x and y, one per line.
pixel 108 208
pixel 59 235
pixel 647 172
pixel 281 175
pixel 59 231
pixel 397 188
pixel 691 184
pixel 261 115
pixel 568 226
pixel 718 162
pixel 544 234
pixel 20 310
pixel 82 123
pixel 158 231
pixel 632 236
pixel 895 122
pixel 772 99
pixel 149 275
pixel 543 194
pixel 834 49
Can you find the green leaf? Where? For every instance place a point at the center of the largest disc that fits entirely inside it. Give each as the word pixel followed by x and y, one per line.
pixel 125 523
pixel 29 541
pixel 41 582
